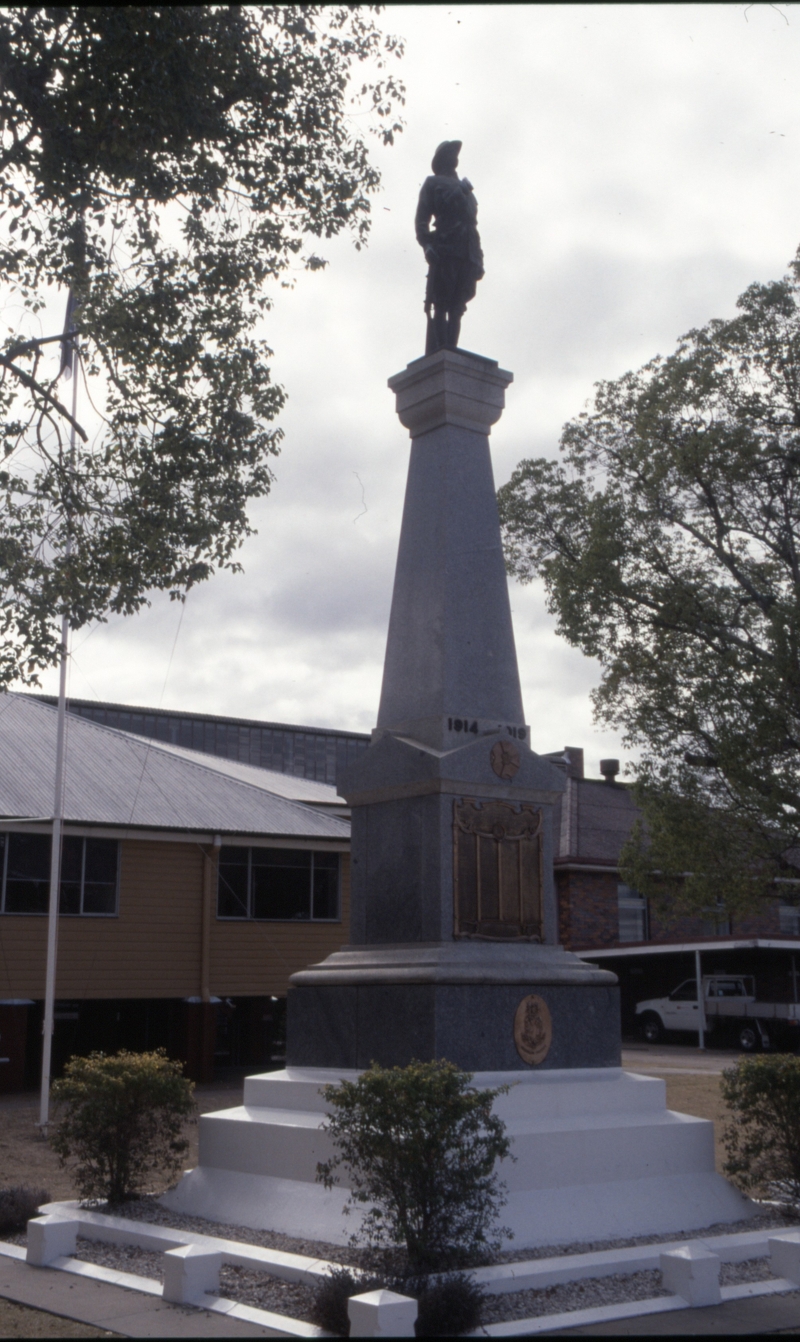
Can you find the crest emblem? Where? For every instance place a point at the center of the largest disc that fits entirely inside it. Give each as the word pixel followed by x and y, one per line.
pixel 533 1030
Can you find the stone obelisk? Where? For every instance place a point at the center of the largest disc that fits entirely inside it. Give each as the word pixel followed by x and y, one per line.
pixel 453 950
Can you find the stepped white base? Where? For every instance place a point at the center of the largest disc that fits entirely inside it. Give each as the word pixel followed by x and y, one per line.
pixel 598 1156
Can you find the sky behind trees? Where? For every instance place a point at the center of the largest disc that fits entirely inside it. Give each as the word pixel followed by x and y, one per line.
pixel 636 167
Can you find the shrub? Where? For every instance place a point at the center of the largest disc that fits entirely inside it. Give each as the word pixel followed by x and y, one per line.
pixel 119 1120
pixel 449 1307
pixel 18 1205
pixel 763 1140
pixel 420 1146
pixel 331 1294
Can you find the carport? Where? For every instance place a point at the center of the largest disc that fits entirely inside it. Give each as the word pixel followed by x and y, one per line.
pixel 646 971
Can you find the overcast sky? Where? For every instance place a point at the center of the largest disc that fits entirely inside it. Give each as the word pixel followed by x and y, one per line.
pixel 636 167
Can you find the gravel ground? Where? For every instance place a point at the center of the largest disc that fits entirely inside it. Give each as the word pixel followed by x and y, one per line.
pixel 247 1287
pixel 123 1257
pixel 148 1209
pixel 572 1295
pixel 769 1219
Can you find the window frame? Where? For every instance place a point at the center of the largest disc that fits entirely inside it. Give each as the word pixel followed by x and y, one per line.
pixel 249 916
pixel 629 903
pixel 7 835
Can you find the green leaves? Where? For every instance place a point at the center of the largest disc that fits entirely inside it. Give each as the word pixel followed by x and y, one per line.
pixel 120 1121
pixel 420 1147
pixel 762 1141
pixel 168 164
pixel 667 537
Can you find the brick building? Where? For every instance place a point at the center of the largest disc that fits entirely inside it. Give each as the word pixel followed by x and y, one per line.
pixel 607 922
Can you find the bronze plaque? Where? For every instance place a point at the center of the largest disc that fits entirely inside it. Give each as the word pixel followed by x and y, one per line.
pixel 533 1030
pixel 497 870
pixel 504 759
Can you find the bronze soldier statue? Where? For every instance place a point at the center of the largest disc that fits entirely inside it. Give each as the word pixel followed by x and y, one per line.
pixel 452 249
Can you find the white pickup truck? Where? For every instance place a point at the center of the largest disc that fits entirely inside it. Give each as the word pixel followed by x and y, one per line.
pixel 730 1007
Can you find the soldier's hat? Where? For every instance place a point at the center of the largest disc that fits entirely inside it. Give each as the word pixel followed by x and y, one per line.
pixel 446 155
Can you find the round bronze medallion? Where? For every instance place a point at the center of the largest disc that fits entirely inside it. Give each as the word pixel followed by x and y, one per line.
pixel 504 759
pixel 533 1030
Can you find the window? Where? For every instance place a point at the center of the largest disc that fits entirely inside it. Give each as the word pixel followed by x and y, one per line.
pixel 633 922
pixel 717 922
pixel 687 992
pixel 278 884
pixel 88 874
pixel 789 916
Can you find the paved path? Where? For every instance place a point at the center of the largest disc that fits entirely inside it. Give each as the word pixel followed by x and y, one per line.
pixel 769 1314
pixel 112 1307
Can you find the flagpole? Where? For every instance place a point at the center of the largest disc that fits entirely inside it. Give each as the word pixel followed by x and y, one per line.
pixel 58 821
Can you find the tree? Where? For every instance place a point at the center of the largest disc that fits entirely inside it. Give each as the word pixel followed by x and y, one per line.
pixel 668 538
pixel 120 1120
pixel 164 164
pixel 420 1146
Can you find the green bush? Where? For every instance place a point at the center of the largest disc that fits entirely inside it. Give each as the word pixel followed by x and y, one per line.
pixel 419 1145
pixel 763 1139
pixel 18 1205
pixel 449 1306
pixel 119 1121
pixel 331 1294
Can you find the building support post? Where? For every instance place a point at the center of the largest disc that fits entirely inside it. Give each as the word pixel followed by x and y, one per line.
pixel 701 1006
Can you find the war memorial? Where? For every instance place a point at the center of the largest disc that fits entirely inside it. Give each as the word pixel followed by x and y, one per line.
pixel 454 933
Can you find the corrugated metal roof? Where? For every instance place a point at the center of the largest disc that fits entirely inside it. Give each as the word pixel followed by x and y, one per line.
pixel 283 785
pixel 116 778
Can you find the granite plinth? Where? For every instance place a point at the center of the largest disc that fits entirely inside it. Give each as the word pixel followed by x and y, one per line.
pixel 456 1000
pixel 401 794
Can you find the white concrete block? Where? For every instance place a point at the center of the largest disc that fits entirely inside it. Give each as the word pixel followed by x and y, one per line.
pixel 692 1272
pixel 50 1237
pixel 381 1314
pixel 189 1272
pixel 784 1251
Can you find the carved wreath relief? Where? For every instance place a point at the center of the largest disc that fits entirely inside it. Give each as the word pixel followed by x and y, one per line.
pixel 533 1030
pixel 497 870
pixel 504 759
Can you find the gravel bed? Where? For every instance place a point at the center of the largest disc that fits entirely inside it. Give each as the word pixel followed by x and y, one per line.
pixel 122 1257
pixel 752 1269
pixel 771 1218
pixel 572 1295
pixel 247 1287
pixel 148 1209
pixel 605 1291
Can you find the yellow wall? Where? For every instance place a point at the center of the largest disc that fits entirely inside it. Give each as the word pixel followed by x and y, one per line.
pixel 153 948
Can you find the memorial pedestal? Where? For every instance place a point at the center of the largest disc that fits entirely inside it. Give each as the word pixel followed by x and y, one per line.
pixel 598 1156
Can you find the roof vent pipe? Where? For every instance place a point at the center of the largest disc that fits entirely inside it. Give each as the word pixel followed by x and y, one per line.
pixel 609 769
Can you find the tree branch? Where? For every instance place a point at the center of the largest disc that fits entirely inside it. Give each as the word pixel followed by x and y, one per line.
pixel 33 385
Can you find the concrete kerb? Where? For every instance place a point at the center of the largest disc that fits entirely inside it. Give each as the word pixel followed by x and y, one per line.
pixel 195 1269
